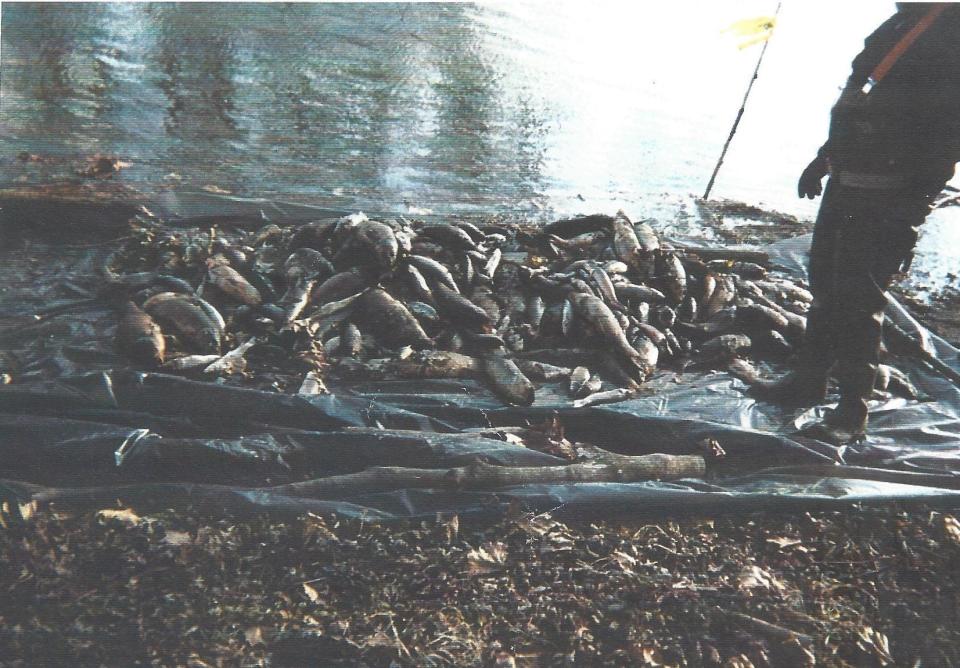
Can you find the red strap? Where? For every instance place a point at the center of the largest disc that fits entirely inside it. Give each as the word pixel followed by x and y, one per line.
pixel 889 60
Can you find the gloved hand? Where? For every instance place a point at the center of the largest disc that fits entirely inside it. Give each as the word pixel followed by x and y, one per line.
pixel 809 185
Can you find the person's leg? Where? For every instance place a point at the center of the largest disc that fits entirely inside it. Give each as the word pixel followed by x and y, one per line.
pixel 807 384
pixel 872 244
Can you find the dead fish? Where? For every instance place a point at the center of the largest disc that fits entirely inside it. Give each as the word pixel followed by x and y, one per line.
pixel 665 316
pixel 341 285
pixel 306 263
pixel 601 280
pixel 534 311
pixel 721 323
pixel 433 271
pixel 450 340
pixel 542 370
pixel 195 322
pixel 230 285
pixel 390 321
pixel 592 386
pixel 266 234
pixel 649 241
pixel 740 268
pixel 566 318
pixel 688 309
pixel 437 364
pixel 608 397
pixel 302 269
pixel 460 310
pixel 483 342
pixel 628 292
pixel 771 343
pixel 448 236
pixel 232 362
pixel 641 311
pixel 139 337
pixel 295 299
pixel 331 347
pixel 744 370
pixel 646 356
pixel 725 345
pixel 507 381
pixel 723 294
pixel 581 242
pixel 188 362
pixel 472 230
pixel 707 284
pixel 601 318
pixel 334 312
pixel 418 284
pixel 351 342
pixel 469 273
pixel 514 341
pixel 173 284
pixel 483 297
pixel 615 267
pixel 314 234
pixel 793 292
pixel 672 276
pixel 425 313
pixel 570 227
pixel 760 317
pixel 312 384
pixel 652 333
pixel 899 384
pixel 493 263
pixel 370 243
pixel 673 343
pixel 627 246
pixel 578 378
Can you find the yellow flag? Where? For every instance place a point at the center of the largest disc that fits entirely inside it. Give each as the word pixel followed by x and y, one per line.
pixel 757 30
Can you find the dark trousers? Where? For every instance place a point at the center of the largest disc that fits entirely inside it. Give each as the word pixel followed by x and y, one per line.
pixel 861 240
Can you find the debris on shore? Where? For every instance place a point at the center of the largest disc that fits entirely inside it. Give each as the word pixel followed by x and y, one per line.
pixel 872 588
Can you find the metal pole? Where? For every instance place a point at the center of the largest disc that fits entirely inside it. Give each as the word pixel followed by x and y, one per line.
pixel 743 105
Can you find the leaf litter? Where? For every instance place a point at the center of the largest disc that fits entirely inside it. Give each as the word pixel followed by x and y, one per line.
pixel 874 587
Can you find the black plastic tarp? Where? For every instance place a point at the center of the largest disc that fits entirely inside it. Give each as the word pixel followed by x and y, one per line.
pixel 98 433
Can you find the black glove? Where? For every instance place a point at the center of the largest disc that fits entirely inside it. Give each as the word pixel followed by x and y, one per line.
pixel 809 185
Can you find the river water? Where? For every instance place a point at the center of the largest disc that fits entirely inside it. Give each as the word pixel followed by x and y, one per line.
pixel 540 109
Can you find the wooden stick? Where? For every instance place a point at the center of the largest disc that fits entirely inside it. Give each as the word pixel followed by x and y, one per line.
pixel 763 628
pixel 480 476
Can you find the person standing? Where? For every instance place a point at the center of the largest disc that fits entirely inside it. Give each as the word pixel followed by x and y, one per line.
pixel 893 144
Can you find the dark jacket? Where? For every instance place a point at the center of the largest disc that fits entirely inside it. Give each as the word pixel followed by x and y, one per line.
pixel 908 125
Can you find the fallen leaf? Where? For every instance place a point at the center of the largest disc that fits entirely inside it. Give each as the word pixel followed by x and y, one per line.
pixel 254 635
pixel 125 516
pixel 875 643
pixel 952 527
pixel 784 542
pixel 486 558
pixel 177 538
pixel 754 577
pixel 311 593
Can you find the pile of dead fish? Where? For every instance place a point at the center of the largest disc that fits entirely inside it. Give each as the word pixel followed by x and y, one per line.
pixel 597 303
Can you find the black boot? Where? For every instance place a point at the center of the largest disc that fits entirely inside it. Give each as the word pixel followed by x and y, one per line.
pixel 807 386
pixel 847 423
pixel 858 351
